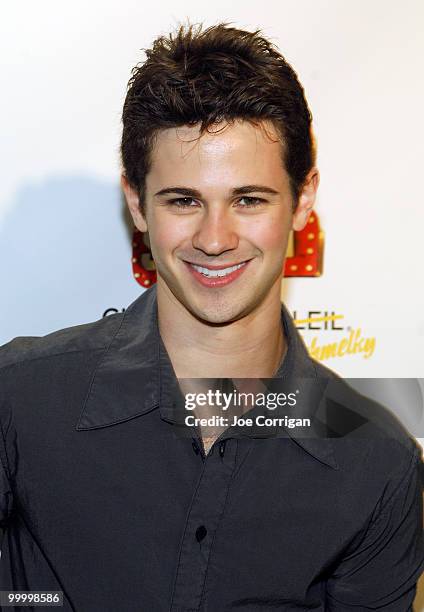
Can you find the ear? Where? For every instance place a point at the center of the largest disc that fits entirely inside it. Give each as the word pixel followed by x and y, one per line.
pixel 306 200
pixel 133 201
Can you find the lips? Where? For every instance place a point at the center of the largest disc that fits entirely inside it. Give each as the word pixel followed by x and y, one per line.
pixel 216 276
pixel 217 272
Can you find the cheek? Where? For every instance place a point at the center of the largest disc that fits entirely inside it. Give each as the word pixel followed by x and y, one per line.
pixel 269 233
pixel 168 233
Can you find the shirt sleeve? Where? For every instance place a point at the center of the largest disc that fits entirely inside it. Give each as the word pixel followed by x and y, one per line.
pixel 381 573
pixel 6 497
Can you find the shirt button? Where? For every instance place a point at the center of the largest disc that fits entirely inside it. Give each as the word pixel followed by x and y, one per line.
pixel 201 533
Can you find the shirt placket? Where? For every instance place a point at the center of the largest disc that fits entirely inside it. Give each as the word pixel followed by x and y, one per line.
pixel 203 519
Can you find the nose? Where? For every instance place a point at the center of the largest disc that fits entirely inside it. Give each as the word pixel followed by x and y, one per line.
pixel 216 232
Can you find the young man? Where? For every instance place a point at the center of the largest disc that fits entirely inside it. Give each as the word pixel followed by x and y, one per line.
pixel 104 496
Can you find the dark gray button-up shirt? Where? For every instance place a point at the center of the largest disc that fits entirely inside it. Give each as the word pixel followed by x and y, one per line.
pixel 102 500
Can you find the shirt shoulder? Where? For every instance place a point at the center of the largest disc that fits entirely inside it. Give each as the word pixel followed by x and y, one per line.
pixel 36 373
pixel 86 337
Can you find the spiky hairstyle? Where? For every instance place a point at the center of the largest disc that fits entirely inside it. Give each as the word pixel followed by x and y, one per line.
pixel 206 76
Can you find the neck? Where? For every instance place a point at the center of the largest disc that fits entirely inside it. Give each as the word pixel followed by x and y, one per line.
pixel 251 347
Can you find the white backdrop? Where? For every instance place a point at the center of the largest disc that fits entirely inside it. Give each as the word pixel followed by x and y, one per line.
pixel 64 248
pixel 64 244
pixel 64 241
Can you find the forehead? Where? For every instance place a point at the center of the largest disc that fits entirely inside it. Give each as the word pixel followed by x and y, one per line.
pixel 226 152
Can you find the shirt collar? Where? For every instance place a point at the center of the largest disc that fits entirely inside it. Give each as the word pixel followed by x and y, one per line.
pixel 135 375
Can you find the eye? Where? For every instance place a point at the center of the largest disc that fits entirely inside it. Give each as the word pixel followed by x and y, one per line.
pixel 182 202
pixel 250 202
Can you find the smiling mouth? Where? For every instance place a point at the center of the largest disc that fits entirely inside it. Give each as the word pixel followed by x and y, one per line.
pixel 217 271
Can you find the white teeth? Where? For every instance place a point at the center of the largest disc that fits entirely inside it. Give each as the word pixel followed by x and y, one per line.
pixel 213 273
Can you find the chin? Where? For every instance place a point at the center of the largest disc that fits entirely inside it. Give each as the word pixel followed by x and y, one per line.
pixel 218 314
pixel 215 319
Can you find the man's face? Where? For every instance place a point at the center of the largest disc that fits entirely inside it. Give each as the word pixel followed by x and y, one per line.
pixel 218 210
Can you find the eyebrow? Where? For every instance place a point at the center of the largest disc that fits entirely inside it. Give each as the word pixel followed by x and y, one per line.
pixel 193 193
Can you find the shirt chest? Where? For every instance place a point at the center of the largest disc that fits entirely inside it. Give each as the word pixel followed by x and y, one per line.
pixel 156 516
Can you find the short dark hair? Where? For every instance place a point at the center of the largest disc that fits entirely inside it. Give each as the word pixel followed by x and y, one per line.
pixel 211 75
